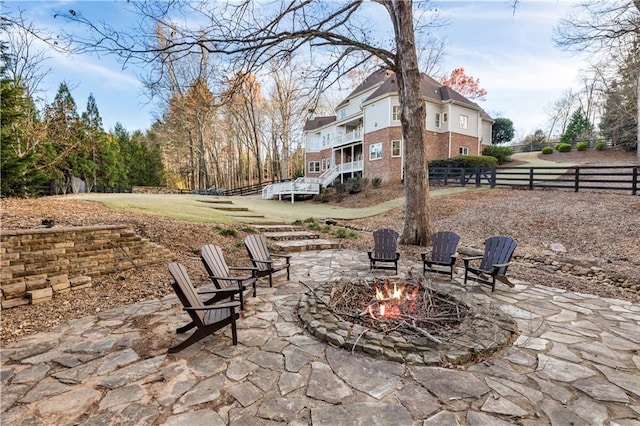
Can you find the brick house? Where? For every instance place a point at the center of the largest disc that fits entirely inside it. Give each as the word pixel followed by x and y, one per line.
pixel 364 138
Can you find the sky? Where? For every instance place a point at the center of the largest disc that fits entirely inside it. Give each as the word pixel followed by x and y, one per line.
pixel 511 52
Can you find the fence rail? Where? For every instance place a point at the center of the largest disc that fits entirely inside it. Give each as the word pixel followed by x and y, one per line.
pixel 576 178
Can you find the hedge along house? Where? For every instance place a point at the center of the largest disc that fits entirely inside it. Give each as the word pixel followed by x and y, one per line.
pixel 364 138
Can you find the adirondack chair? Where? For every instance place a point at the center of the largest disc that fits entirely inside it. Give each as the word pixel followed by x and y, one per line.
pixel 220 273
pixel 443 253
pixel 262 260
pixel 206 318
pixel 494 262
pixel 384 254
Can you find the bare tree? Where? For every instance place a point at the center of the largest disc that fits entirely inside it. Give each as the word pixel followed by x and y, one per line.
pixel 603 26
pixel 334 35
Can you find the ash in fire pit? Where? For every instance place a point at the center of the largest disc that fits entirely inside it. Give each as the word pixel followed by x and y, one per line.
pixel 404 321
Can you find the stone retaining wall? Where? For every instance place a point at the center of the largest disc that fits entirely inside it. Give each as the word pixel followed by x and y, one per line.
pixel 37 263
pixel 154 190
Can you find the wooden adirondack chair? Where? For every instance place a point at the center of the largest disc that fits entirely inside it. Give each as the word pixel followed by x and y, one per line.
pixel 384 252
pixel 262 260
pixel 206 318
pixel 443 254
pixel 220 273
pixel 494 262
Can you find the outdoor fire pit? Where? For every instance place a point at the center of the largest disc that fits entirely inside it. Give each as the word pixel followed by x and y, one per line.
pixel 404 320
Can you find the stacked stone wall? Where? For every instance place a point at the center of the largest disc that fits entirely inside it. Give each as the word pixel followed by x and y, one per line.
pixel 38 263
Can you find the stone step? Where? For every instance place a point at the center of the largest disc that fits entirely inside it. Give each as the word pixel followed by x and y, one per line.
pixel 291 235
pixel 216 201
pixel 247 216
pixel 231 209
pixel 291 246
pixel 277 228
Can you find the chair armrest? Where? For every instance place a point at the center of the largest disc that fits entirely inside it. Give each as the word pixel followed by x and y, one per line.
pixel 226 305
pixel 268 262
pixel 500 265
pixel 243 268
pixel 466 260
pixel 231 278
pixel 217 290
pixel 283 256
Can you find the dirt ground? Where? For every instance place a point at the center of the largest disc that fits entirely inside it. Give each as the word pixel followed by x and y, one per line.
pixel 597 228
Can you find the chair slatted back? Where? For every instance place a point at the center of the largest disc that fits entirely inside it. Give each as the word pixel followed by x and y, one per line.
pixel 444 245
pixel 257 247
pixel 214 263
pixel 185 291
pixel 385 243
pixel 497 250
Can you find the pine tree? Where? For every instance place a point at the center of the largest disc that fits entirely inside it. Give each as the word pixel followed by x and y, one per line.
pixel 19 175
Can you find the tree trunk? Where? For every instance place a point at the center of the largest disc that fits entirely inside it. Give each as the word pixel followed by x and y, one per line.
pixel 637 4
pixel 417 222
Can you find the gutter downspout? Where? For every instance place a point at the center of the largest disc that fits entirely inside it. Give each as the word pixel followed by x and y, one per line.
pixel 449 126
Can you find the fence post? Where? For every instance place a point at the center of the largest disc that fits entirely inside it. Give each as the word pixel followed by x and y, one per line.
pixel 478 177
pixel 634 181
pixel 577 179
pixel 492 180
pixel 531 178
pixel 463 176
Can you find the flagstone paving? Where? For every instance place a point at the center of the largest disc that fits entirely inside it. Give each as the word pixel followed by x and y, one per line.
pixel 576 361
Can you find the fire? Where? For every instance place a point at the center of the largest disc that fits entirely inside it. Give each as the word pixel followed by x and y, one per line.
pixel 392 301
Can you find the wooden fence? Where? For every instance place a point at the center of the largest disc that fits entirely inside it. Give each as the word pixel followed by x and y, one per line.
pixel 607 178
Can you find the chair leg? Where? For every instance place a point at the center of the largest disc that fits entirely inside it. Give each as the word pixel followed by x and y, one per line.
pixel 254 288
pixel 234 332
pixel 185 328
pixel 466 275
pixel 270 280
pixel 288 276
pixel 241 298
pixel 199 334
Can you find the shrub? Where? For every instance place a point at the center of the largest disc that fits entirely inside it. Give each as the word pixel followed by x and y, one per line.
pixel 249 230
pixel 547 150
pixel 466 161
pixel 229 232
pixel 343 233
pixel 310 220
pixel 581 146
pixel 354 185
pixel 500 153
pixel 563 147
pixel 376 182
pixel 339 187
pixel 599 146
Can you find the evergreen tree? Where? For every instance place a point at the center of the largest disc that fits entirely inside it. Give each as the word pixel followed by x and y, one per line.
pixel 578 128
pixel 67 153
pixel 18 174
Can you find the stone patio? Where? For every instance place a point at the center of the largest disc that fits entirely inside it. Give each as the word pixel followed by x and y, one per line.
pixel 575 361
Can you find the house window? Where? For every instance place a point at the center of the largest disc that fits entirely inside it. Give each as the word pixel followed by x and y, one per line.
pixel 438 120
pixel 445 116
pixel 343 113
pixel 395 113
pixel 396 148
pixel 375 151
pixel 464 122
pixel 464 150
pixel 314 166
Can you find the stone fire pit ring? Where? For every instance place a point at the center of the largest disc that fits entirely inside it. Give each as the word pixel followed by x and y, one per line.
pixel 484 331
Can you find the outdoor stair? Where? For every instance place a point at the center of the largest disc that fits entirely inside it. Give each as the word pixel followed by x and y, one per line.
pixel 292 238
pixel 216 201
pixel 231 209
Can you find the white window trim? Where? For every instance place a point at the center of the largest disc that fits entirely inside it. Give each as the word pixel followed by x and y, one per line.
pixel 316 169
pixel 464 121
pixel 438 120
pixel 464 150
pixel 371 152
pixel 393 113
pixel 399 148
